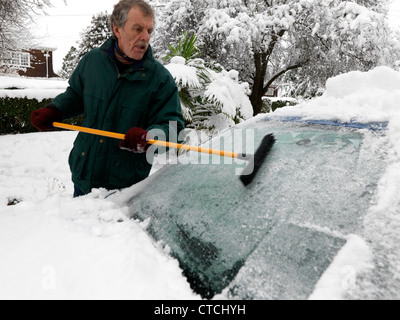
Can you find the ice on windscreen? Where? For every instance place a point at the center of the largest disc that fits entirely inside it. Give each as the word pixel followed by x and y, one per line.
pixel 314 189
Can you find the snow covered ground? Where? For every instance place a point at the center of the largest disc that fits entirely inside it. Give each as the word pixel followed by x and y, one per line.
pixel 38 88
pixel 55 247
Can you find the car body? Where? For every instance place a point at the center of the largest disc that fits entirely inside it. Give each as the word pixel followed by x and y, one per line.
pixel 275 238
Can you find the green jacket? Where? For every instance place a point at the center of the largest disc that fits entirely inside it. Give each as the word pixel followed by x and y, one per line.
pixel 145 96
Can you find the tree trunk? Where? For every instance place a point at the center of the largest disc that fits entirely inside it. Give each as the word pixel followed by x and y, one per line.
pixel 256 102
pixel 259 90
pixel 258 85
pixel 261 60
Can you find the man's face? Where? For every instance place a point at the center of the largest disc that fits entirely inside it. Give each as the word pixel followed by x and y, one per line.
pixel 134 37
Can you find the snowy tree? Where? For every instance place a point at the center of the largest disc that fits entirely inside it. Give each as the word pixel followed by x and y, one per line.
pixel 265 40
pixel 95 34
pixel 69 63
pixel 344 38
pixel 173 18
pixel 15 18
pixel 91 37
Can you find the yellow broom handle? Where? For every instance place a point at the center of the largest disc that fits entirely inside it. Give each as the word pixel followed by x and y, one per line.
pixel 156 142
pixel 89 130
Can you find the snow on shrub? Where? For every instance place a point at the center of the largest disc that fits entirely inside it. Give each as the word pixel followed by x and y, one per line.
pixel 212 98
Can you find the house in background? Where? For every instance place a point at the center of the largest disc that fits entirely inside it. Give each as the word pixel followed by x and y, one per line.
pixel 37 62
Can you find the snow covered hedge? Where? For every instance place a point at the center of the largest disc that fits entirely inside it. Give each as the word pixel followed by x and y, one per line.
pixel 19 96
pixel 16 113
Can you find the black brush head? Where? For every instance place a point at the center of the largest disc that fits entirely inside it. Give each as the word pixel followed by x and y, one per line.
pixel 258 159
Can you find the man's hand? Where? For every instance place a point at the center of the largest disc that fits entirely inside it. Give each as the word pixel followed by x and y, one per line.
pixel 43 119
pixel 135 140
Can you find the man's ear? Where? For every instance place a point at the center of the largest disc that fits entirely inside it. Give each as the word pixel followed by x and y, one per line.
pixel 116 31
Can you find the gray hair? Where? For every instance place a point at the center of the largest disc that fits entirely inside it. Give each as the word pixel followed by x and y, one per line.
pixel 121 9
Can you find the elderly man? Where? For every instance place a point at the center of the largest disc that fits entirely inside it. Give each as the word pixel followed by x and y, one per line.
pixel 118 87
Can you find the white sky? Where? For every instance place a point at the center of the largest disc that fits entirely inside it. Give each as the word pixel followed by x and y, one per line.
pixel 61 28
pixel 394 14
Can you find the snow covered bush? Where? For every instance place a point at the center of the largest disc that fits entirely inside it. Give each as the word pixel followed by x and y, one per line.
pixel 19 96
pixel 15 114
pixel 212 98
pixel 185 48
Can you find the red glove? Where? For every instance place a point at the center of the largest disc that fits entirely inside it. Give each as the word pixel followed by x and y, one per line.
pixel 135 140
pixel 43 119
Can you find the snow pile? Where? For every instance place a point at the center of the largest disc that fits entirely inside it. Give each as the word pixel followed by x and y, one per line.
pixel 55 247
pixel 61 248
pixel 226 89
pixel 185 76
pixel 33 166
pixel 31 83
pixel 31 88
pixel 354 258
pixel 360 96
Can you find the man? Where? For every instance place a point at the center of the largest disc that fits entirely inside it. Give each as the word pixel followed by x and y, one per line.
pixel 118 87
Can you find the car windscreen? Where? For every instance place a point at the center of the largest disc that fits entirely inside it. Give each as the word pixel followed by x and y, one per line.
pixel 274 238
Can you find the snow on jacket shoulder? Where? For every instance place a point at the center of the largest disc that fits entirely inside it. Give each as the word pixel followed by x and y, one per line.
pixel 145 96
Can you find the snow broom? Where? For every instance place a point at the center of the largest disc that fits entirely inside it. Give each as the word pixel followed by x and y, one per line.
pixel 248 174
